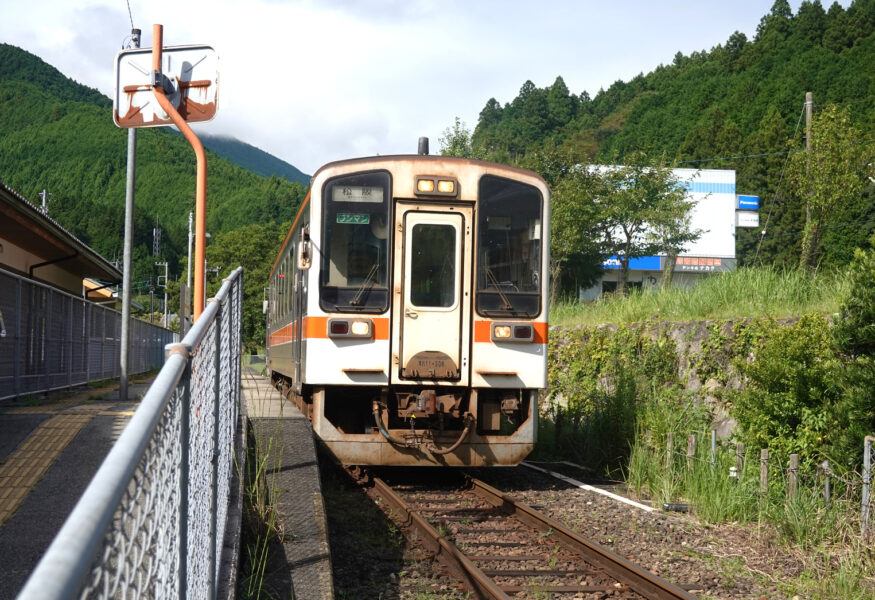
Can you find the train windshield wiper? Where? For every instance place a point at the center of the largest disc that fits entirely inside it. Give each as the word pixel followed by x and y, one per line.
pixel 494 281
pixel 366 285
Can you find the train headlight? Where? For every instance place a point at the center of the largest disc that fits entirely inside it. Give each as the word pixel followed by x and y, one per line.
pixel 501 331
pixel 350 328
pixel 431 185
pixel 446 186
pixel 361 328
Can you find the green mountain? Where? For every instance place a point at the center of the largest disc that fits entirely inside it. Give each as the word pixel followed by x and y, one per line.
pixel 737 105
pixel 252 158
pixel 58 135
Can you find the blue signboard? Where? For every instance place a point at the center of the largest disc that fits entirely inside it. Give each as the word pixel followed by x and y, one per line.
pixel 644 263
pixel 748 202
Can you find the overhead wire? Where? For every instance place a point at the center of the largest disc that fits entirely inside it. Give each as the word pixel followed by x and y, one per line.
pixel 778 191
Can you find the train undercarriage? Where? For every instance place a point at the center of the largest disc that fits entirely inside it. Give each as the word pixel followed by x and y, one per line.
pixel 421 425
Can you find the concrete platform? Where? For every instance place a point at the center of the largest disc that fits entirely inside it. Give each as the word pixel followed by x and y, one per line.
pixel 283 434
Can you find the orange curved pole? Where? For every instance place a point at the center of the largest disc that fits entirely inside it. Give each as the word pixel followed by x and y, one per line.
pixel 200 211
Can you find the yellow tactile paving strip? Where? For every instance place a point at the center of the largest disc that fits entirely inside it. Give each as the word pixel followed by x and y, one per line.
pixel 24 468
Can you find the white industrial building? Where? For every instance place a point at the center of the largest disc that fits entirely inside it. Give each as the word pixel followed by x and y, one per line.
pixel 716 213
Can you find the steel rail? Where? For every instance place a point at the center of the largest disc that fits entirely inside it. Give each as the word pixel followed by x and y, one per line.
pixel 450 556
pixel 638 579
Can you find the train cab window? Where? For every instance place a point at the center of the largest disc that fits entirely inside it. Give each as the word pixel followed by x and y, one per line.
pixel 355 243
pixel 433 265
pixel 509 278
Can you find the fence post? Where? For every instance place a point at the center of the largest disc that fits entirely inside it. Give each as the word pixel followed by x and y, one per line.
pixel 691 450
pixel 16 349
pixel 185 442
pixel 867 480
pixel 669 439
pixel 739 458
pixel 794 475
pixel 713 447
pixel 827 483
pixel 764 471
pixel 214 458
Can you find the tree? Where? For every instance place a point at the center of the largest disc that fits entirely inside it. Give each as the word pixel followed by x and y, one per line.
pixel 574 213
pixel 254 247
pixel 456 141
pixel 644 211
pixel 830 175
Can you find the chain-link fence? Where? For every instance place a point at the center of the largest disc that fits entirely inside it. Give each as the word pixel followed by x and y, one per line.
pixel 50 339
pixel 148 524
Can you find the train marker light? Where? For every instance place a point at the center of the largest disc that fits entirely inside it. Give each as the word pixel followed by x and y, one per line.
pixel 338 328
pixel 523 333
pixel 424 186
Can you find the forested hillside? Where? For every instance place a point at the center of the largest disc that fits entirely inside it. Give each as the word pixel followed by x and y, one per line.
pixel 738 105
pixel 58 135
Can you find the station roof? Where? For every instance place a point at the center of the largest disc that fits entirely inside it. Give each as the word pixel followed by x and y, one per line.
pixel 25 226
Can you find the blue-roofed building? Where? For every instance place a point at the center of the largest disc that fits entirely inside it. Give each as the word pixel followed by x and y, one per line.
pixel 714 194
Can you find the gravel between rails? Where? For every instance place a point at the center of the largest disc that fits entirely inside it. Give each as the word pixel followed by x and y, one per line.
pixel 722 561
pixel 371 559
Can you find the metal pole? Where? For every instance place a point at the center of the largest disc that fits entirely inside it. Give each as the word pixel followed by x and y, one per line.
pixel 129 242
pixel 166 274
pixel 867 479
pixel 200 224
pixel 188 275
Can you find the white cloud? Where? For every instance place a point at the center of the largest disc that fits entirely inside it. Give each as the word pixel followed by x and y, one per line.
pixel 318 80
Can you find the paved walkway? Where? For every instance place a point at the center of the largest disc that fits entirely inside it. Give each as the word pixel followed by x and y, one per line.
pixel 49 452
pixel 283 434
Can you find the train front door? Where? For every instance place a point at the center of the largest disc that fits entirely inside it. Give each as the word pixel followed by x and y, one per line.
pixel 432 292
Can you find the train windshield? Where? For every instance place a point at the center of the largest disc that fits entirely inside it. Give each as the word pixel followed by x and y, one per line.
pixel 355 243
pixel 509 248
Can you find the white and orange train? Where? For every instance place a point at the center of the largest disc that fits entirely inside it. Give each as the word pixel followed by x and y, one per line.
pixel 407 310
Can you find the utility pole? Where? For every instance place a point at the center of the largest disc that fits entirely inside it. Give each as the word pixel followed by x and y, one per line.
pixel 164 317
pixel 129 242
pixel 809 108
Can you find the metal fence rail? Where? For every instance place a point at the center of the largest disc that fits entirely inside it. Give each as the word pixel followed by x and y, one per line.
pixel 147 525
pixel 55 340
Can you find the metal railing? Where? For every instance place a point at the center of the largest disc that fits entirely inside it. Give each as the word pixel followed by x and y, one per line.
pixel 147 525
pixel 55 340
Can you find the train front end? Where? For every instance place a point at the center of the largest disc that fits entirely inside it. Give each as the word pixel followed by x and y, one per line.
pixel 423 311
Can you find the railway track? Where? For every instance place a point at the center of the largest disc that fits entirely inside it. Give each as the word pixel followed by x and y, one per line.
pixel 500 548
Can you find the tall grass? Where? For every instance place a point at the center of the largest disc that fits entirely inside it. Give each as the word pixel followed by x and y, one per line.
pixel 747 292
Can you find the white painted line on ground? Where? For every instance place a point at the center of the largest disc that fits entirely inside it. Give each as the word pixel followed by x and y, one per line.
pixel 585 486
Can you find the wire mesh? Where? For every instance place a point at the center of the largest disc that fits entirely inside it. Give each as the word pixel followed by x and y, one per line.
pixel 54 339
pixel 165 486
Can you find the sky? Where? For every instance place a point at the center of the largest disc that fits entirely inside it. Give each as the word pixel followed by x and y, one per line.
pixel 312 81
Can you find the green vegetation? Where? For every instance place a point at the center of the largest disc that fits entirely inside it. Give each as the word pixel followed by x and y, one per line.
pixel 747 292
pixel 58 135
pixel 804 386
pixel 734 106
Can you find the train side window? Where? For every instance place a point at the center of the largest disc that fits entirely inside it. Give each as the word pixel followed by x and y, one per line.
pixel 509 278
pixel 354 270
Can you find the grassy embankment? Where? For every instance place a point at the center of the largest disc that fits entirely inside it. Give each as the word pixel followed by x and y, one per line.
pixel 753 292
pixel 615 395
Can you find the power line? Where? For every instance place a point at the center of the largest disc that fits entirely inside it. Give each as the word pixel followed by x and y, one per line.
pixel 130 15
pixel 778 192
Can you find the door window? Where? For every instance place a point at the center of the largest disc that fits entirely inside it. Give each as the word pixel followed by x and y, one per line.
pixel 433 265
